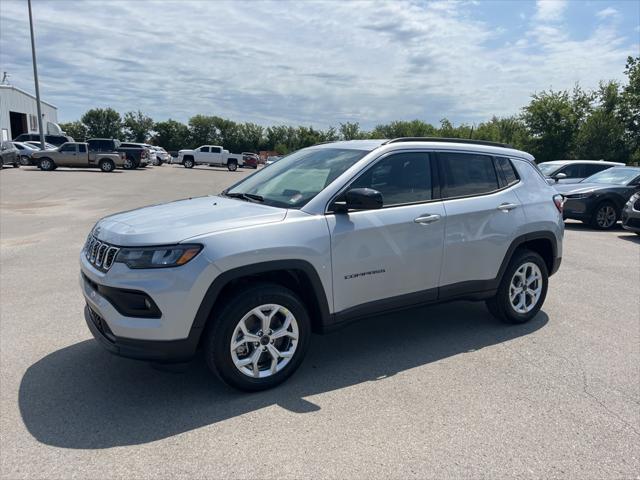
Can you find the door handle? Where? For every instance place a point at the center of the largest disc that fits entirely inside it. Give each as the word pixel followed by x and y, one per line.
pixel 427 218
pixel 507 207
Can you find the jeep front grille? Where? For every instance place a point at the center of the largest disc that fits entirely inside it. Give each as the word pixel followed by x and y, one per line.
pixel 100 254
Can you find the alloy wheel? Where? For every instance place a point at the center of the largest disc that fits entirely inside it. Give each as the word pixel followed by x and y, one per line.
pixel 525 287
pixel 264 341
pixel 606 216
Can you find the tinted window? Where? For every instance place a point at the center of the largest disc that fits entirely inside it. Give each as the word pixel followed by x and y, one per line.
pixel 590 169
pixel 68 148
pixel 572 171
pixel 204 149
pixel 467 174
pixel 508 172
pixel 82 148
pixel 216 150
pixel 401 178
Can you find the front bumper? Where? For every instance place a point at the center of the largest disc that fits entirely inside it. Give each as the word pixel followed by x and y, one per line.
pixel 631 219
pixel 160 351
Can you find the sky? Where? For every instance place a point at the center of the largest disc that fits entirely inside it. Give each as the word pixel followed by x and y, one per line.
pixel 315 63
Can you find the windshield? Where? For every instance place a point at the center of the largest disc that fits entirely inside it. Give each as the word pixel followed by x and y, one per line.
pixel 616 176
pixel 548 168
pixel 297 178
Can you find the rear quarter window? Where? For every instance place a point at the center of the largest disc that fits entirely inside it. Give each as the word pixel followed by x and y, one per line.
pixel 465 174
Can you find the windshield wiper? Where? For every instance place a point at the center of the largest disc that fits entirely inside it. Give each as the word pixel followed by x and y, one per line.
pixel 245 196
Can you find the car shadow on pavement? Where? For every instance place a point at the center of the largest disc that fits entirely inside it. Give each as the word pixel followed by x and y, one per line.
pixel 630 237
pixel 82 397
pixel 578 226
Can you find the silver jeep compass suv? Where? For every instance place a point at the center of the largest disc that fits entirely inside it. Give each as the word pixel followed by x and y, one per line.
pixel 329 234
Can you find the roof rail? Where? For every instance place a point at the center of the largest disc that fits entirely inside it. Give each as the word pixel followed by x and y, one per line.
pixel 447 140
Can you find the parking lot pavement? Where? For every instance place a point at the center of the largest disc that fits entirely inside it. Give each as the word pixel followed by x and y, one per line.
pixel 437 392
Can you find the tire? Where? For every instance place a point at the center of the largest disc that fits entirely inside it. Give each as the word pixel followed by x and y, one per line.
pixel 24 160
pixel 225 323
pixel 46 164
pixel 16 165
pixel 232 165
pixel 502 307
pixel 128 164
pixel 605 216
pixel 107 166
pixel 188 163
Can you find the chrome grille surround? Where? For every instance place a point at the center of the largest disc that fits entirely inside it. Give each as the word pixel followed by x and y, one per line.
pixel 100 254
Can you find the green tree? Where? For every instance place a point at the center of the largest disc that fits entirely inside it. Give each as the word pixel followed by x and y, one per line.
pixel 137 126
pixel 553 120
pixel 76 129
pixel 630 107
pixel 203 131
pixel 171 135
pixel 602 134
pixel 102 123
pixel 350 131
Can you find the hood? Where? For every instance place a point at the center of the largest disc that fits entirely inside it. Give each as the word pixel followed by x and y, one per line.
pixel 584 187
pixel 177 221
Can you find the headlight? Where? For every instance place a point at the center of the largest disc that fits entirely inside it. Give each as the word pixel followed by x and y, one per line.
pixel 158 257
pixel 579 195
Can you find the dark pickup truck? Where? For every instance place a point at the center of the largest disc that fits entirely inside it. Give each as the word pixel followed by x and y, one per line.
pixel 135 157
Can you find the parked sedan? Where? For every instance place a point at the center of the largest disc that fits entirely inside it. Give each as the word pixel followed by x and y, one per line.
pixel 598 200
pixel 573 171
pixel 9 154
pixel 631 214
pixel 24 152
pixel 47 146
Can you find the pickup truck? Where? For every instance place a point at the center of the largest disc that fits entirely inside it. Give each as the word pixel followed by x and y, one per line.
pixel 72 154
pixel 212 155
pixel 135 155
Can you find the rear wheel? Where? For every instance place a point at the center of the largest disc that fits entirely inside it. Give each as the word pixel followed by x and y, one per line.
pixel 605 216
pixel 46 164
pixel 107 165
pixel 188 163
pixel 522 289
pixel 258 338
pixel 232 165
pixel 128 164
pixel 24 160
pixel 16 165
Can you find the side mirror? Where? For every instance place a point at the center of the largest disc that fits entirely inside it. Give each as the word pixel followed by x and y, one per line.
pixel 359 199
pixel 559 176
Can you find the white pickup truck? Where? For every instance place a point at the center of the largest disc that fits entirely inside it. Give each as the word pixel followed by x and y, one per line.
pixel 212 155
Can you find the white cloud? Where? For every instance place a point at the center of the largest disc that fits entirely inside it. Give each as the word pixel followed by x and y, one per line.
pixel 309 63
pixel 550 10
pixel 608 12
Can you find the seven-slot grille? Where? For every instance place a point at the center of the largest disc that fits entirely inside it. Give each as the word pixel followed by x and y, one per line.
pixel 100 254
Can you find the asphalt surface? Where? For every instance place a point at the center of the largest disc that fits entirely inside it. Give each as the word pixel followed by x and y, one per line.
pixel 438 392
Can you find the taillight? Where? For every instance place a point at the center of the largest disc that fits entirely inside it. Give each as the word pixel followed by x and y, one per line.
pixel 559 201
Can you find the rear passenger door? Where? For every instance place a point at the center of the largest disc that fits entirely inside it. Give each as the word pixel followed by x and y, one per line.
pixel 483 216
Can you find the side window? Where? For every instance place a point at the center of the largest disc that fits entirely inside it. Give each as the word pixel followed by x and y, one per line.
pixel 401 178
pixel 508 172
pixel 590 169
pixel 204 149
pixel 467 174
pixel 572 171
pixel 68 148
pixel 82 148
pixel 216 149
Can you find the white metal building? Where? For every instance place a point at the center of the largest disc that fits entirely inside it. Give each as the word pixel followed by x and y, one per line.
pixel 19 113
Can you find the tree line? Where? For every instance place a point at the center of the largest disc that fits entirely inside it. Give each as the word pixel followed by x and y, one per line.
pixel 568 124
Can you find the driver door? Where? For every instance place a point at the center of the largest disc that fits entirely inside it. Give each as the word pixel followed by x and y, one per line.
pixel 391 255
pixel 68 155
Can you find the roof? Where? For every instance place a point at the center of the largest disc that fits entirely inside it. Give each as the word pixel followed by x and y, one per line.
pixel 11 87
pixel 565 162
pixel 436 143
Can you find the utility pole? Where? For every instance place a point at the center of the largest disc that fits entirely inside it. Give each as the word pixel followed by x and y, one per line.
pixel 35 76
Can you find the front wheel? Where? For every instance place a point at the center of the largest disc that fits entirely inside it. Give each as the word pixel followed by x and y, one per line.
pixel 47 164
pixel 258 338
pixel 605 216
pixel 188 163
pixel 128 164
pixel 522 289
pixel 16 165
pixel 232 165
